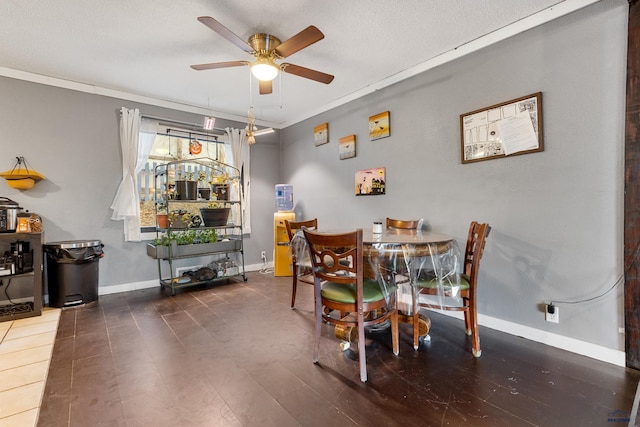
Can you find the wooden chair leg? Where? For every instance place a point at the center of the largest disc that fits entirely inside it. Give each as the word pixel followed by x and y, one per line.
pixel 294 289
pixel 394 332
pixel 361 348
pixel 467 318
pixel 475 335
pixel 416 327
pixel 319 321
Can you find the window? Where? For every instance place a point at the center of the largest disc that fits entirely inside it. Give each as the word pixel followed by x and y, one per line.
pixel 170 146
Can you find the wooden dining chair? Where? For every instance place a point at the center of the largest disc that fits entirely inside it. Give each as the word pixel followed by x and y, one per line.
pixel 413 224
pixel 301 268
pixel 400 275
pixel 399 272
pixel 340 287
pixel 467 289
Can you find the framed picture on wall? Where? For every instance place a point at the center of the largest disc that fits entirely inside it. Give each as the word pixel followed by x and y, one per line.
pixel 379 126
pixel 321 134
pixel 347 147
pixel 505 129
pixel 370 182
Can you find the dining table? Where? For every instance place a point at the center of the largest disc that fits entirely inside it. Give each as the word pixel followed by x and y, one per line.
pixel 396 258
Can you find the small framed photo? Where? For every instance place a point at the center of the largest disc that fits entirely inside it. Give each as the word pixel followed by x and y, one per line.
pixel 321 134
pixel 347 147
pixel 379 126
pixel 371 182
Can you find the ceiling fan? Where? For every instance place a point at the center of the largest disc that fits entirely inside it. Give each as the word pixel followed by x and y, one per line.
pixel 267 49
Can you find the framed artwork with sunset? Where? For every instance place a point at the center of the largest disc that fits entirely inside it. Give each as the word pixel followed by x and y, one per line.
pixel 370 182
pixel 379 126
pixel 321 134
pixel 347 147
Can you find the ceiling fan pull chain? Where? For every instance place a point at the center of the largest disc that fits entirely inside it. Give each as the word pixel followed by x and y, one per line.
pixel 280 89
pixel 250 89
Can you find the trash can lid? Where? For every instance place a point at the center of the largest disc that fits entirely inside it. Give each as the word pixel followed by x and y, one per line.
pixel 73 244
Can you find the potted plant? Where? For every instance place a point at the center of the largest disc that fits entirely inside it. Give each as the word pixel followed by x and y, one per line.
pixel 189 242
pixel 220 185
pixel 181 218
pixel 186 187
pixel 215 214
pixel 162 217
pixel 203 190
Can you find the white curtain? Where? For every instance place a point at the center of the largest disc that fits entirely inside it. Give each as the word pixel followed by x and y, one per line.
pixel 241 159
pixel 136 141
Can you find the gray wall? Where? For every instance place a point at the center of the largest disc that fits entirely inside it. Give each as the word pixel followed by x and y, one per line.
pixel 556 216
pixel 73 139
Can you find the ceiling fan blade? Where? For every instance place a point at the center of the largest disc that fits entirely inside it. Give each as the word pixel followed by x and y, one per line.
pixel 307 73
pixel 265 87
pixel 225 32
pixel 214 65
pixel 304 38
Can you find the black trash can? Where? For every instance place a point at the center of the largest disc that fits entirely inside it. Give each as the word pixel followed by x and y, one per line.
pixel 71 271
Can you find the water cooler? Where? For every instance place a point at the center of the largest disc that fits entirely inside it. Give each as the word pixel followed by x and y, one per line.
pixel 281 254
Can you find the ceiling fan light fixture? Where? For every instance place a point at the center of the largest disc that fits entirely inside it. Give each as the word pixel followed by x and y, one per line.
pixel 264 69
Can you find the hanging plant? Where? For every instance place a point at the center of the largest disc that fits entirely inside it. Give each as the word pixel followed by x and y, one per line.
pixel 21 176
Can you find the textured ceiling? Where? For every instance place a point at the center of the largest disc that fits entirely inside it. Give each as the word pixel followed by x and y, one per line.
pixel 145 47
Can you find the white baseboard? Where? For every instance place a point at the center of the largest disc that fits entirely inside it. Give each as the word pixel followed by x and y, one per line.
pixel 573 345
pixel 127 287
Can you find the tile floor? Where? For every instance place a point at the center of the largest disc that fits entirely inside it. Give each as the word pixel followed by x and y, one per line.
pixel 26 346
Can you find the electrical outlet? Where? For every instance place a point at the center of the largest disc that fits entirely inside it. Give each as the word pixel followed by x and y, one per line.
pixel 552 317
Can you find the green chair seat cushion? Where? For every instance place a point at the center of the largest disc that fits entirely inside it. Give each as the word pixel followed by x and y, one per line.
pixel 432 283
pixel 347 293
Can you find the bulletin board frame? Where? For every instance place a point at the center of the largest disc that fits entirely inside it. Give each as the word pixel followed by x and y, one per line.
pixel 480 130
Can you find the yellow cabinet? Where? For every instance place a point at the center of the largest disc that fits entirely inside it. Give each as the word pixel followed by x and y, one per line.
pixel 281 254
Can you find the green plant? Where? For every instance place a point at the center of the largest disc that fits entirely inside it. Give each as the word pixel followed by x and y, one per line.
pixel 220 178
pixel 207 236
pixel 187 176
pixel 186 237
pixel 185 216
pixel 161 206
pixel 164 240
pixel 202 176
pixel 217 205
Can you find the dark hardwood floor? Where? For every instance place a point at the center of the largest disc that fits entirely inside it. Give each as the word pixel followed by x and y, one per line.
pixel 236 354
